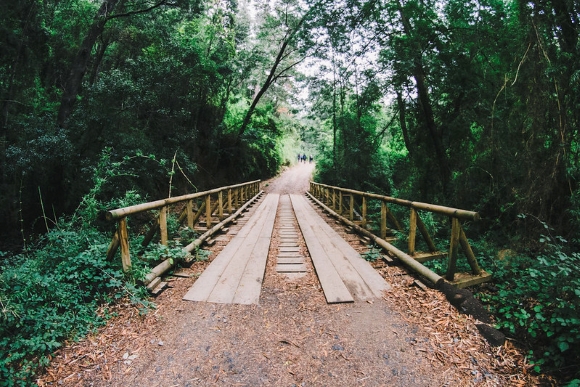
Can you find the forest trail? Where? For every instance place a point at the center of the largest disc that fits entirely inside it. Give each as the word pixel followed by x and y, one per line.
pixel 293 337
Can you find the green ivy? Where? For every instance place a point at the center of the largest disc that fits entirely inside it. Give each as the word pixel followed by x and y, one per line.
pixel 538 301
pixel 51 292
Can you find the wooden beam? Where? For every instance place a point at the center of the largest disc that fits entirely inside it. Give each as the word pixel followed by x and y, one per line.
pixel 425 234
pixel 384 210
pixel 412 231
pixel 163 225
pixel 123 212
pixel 428 256
pixel 448 211
pixel 113 246
pixel 151 233
pixel 475 269
pixel 190 214
pixel 364 212
pixel 124 242
pixel 220 206
pixel 453 246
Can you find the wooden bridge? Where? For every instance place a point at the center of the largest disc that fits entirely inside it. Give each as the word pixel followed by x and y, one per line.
pixel 237 273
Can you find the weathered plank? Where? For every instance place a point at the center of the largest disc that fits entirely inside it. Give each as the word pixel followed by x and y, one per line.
pixel 359 276
pixel 334 288
pixel 220 280
pixel 250 286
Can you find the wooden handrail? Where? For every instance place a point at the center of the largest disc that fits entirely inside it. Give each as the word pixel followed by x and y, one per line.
pixel 327 196
pixel 449 211
pixel 240 193
pixel 122 212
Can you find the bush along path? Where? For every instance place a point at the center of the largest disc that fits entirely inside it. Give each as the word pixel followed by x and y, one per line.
pixel 413 336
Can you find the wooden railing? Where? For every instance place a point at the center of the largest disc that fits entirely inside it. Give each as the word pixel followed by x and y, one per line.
pixel 353 206
pixel 201 209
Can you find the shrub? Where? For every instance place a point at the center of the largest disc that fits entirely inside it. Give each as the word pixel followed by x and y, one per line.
pixel 538 300
pixel 50 293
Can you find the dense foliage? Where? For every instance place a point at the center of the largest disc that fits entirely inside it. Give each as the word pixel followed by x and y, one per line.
pixel 473 104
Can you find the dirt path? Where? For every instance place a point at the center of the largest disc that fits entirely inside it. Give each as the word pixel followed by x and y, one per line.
pixel 293 338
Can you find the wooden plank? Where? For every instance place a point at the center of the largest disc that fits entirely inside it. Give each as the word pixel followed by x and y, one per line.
pixel 355 271
pixel 250 286
pixel 205 284
pixel 241 282
pixel 334 288
pixel 290 261
pixel 282 268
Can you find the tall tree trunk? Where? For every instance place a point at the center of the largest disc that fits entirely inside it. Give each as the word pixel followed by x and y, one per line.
pixel 272 76
pixel 425 103
pixel 81 62
pixel 403 122
pixel 269 81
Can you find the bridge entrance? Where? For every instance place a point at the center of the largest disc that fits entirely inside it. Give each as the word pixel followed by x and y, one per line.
pixel 237 273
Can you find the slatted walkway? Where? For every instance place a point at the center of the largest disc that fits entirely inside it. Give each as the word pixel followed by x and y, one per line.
pixel 237 273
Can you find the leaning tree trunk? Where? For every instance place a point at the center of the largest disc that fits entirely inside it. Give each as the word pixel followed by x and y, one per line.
pixel 81 62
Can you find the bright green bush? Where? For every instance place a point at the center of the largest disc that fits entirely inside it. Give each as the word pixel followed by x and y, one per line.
pixel 538 302
pixel 51 292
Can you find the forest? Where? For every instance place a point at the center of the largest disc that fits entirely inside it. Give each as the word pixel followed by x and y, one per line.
pixel 473 104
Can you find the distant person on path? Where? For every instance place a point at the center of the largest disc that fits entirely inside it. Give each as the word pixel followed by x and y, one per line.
pixel 304 158
pixel 299 157
pixel 311 158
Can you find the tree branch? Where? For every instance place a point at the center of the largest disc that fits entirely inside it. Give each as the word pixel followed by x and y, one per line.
pixel 127 14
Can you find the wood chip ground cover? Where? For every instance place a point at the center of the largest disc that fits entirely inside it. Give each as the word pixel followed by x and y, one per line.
pixel 411 337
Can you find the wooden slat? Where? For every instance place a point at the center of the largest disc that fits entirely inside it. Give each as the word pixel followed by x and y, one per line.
pixel 205 284
pixel 250 286
pixel 334 288
pixel 360 277
pixel 236 274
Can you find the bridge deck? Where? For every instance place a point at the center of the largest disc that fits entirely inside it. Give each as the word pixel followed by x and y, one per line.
pixel 239 281
pixel 343 274
pixel 237 273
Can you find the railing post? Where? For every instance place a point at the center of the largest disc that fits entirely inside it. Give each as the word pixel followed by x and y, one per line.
pixel 364 212
pixel 230 210
pixel 124 242
pixel 412 231
pixel 383 219
pixel 340 202
pixel 351 210
pixel 163 225
pixel 208 211
pixel 453 246
pixel 334 199
pixel 220 206
pixel 190 214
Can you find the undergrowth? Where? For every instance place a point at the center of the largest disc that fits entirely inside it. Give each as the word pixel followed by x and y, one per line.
pixel 50 292
pixel 535 299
